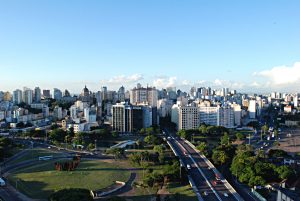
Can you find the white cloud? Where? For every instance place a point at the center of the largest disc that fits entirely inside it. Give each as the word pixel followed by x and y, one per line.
pixel 165 82
pixel 218 82
pixel 122 79
pixel 255 84
pixel 201 82
pixel 282 75
pixel 186 83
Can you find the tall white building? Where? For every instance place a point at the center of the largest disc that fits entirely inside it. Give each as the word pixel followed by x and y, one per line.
pixel 73 112
pixel 27 95
pixel 295 100
pixel 17 96
pixel 141 95
pixel 252 109
pixel 237 109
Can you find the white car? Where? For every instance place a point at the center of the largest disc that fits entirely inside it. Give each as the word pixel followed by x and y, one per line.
pixel 188 166
pixel 205 193
pixel 226 195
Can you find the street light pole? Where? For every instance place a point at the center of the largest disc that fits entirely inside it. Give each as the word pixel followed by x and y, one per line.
pixel 249 138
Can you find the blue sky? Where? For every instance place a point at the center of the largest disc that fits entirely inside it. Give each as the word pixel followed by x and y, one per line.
pixel 247 45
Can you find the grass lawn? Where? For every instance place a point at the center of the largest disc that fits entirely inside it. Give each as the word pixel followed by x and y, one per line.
pixel 41 180
pixel 182 193
pixel 34 154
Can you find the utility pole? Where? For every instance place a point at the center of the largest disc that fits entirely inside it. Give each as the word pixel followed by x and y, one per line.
pixel 249 138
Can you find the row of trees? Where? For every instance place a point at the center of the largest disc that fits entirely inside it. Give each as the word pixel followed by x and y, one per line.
pixel 68 165
pixel 203 130
pixel 58 135
pixel 253 170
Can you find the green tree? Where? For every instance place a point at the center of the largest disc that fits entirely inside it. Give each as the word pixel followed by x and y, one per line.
pixel 202 147
pixel 151 140
pixel 57 135
pixel 159 148
pixel 219 157
pixel 91 146
pixel 115 134
pixel 183 134
pixel 225 140
pixel 116 152
pixel 143 131
pixel 203 129
pixel 265 129
pixel 150 131
pixel 239 136
pixel 284 171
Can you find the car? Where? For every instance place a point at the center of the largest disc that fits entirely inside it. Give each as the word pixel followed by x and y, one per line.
pixel 205 193
pixel 185 153
pixel 49 147
pixel 188 166
pixel 225 195
pixel 218 177
pixel 169 138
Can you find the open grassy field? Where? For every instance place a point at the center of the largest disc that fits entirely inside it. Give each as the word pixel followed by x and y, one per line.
pixel 41 180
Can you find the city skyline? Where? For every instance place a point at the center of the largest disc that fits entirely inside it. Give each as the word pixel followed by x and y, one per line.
pixel 241 45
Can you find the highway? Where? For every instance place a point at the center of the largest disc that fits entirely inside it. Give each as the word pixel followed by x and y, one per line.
pixel 202 173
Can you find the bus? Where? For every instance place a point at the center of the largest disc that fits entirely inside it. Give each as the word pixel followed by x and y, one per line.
pixel 44 158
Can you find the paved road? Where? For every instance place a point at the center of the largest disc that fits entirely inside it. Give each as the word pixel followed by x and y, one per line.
pixel 203 173
pixel 194 172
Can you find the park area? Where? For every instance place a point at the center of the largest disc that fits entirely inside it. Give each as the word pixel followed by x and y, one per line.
pixel 39 181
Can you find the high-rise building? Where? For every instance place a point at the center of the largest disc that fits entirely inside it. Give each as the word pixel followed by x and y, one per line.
pixel 121 94
pixel 252 109
pixel 295 100
pixel 208 115
pixel 46 93
pixel 57 113
pixel 130 118
pixel 37 95
pixel 17 96
pixel 237 113
pixel 141 95
pixel 57 94
pixel 67 93
pixel 104 93
pixel 226 117
pixel 188 117
pixel 73 112
pixel 27 95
